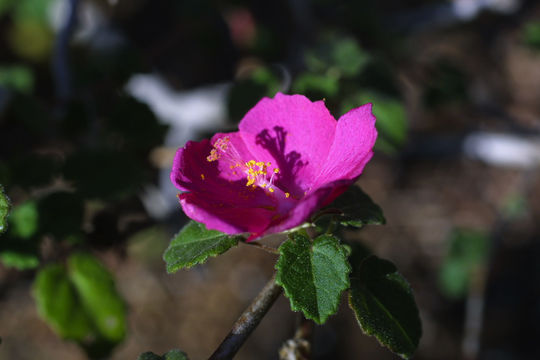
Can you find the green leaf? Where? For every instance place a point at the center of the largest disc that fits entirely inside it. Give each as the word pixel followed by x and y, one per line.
pixel 467 252
pixel 313 275
pixel 19 260
pixel 19 78
pixel 58 304
pixel 5 206
pixel 355 208
pixel 24 220
pixel 194 244
pixel 80 303
pixel 391 117
pixel 98 295
pixel 384 305
pixel 171 355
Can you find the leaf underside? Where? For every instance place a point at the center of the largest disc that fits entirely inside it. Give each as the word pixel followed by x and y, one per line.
pixel 357 209
pixel 384 305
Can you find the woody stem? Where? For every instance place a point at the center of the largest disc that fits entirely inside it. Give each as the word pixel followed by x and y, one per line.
pixel 248 321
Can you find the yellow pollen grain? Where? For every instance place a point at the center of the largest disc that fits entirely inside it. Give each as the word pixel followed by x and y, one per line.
pixel 271 190
pixel 287 195
pixel 276 170
pixel 202 176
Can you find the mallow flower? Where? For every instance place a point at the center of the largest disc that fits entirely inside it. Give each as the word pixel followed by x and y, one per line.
pixel 289 158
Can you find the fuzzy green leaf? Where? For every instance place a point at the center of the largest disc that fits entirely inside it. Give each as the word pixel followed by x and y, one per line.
pixel 80 303
pixel 171 355
pixel 194 244
pixel 98 295
pixel 357 209
pixel 24 220
pixel 5 206
pixel 57 303
pixel 313 275
pixel 384 305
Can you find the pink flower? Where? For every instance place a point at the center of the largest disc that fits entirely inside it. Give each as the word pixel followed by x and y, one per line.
pixel 289 158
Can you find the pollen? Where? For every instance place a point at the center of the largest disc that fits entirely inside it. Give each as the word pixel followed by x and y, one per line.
pixel 202 176
pixel 287 195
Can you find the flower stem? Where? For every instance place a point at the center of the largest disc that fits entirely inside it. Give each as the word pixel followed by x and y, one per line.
pixel 248 321
pixel 263 247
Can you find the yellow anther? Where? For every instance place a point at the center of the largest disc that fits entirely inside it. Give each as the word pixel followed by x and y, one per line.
pixel 287 195
pixel 276 170
pixel 202 176
pixel 271 190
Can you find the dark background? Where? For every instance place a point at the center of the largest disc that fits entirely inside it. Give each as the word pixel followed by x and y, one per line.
pixel 96 96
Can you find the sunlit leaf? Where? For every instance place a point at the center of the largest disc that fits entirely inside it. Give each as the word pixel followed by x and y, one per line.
pixel 194 244
pixel 313 274
pixel 467 252
pixel 5 206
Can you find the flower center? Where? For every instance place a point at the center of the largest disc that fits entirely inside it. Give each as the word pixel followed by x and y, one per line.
pixel 257 172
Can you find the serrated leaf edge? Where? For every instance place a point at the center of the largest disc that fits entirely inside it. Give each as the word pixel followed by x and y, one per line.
pixel 381 306
pixel 234 240
pixel 293 304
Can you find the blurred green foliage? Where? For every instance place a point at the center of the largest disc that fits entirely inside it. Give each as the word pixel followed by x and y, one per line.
pixel 467 254
pixel 17 77
pixel 80 302
pixel 531 34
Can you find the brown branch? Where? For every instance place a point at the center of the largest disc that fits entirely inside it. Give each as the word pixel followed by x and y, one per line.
pixel 247 322
pixel 299 347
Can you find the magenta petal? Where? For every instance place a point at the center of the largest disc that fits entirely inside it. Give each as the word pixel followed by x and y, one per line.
pixel 296 132
pixel 352 147
pixel 190 168
pixel 308 206
pixel 228 218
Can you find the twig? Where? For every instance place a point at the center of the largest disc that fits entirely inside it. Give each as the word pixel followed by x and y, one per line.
pixel 263 247
pixel 247 322
pixel 299 347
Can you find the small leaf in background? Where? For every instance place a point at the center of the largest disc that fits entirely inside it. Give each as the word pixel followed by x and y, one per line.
pixel 356 209
pixel 531 34
pixel 17 78
pixel 316 86
pixel 467 252
pixel 194 244
pixel 98 295
pixel 313 275
pixel 391 119
pixel 337 54
pixel 58 304
pixel 31 40
pixel 24 220
pixel 5 206
pixel 171 355
pixel 19 260
pixel 384 305
pixel 80 303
